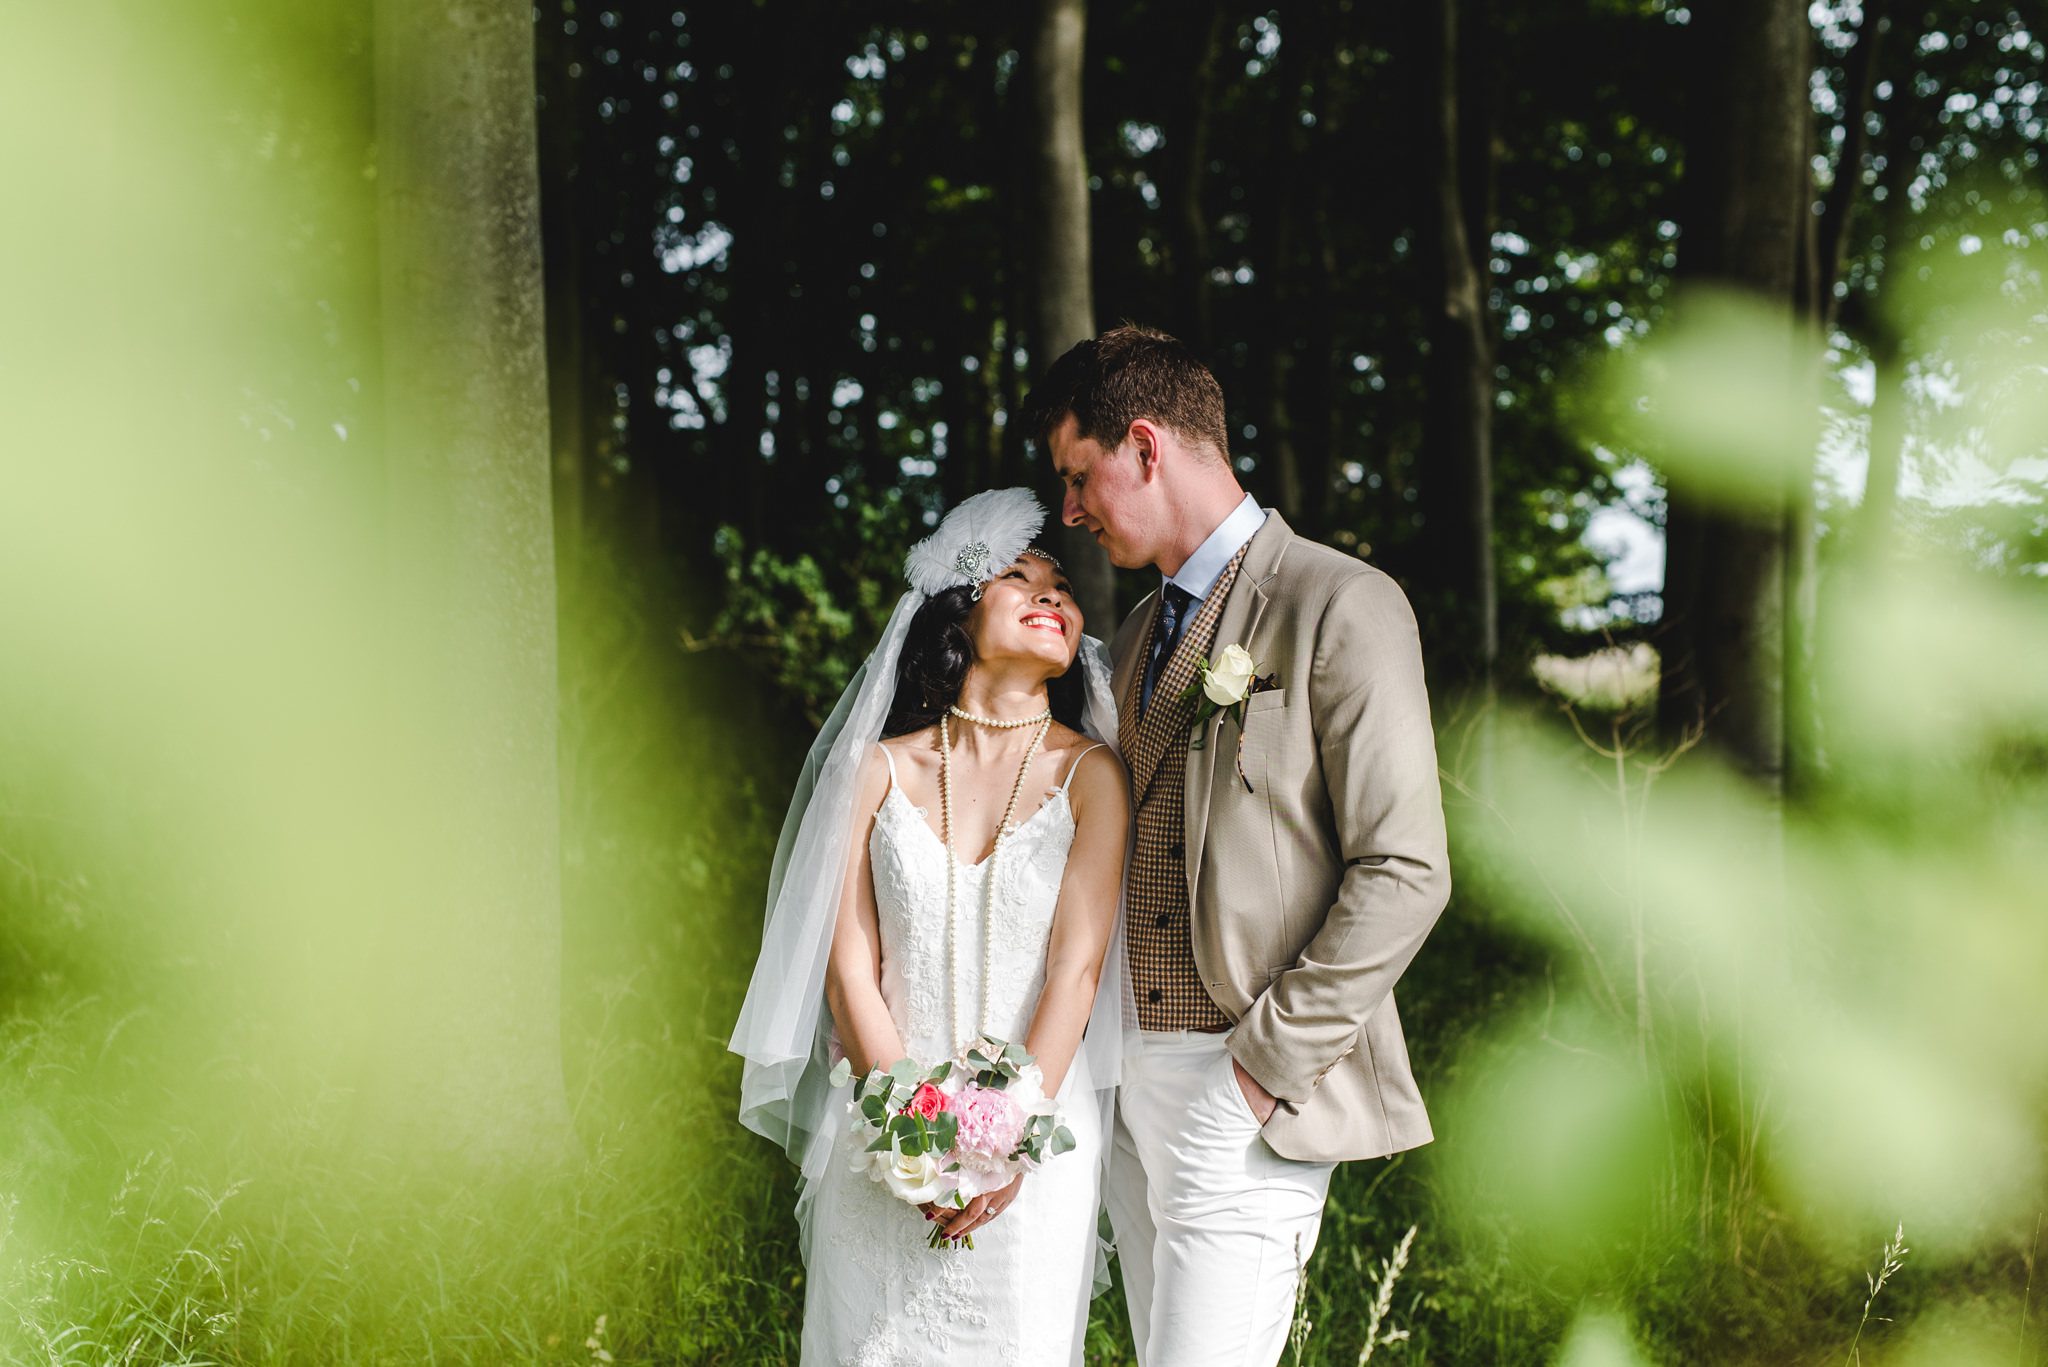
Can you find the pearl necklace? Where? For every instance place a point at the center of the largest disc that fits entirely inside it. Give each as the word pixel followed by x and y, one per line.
pixel 1003 830
pixel 997 722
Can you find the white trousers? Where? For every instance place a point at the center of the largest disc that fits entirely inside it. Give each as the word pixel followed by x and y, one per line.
pixel 1212 1227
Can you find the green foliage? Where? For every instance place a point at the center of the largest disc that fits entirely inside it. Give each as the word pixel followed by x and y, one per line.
pixel 806 629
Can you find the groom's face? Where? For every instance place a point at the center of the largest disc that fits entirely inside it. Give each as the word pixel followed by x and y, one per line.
pixel 1107 492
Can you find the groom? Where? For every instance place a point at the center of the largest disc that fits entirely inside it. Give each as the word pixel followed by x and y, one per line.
pixel 1282 874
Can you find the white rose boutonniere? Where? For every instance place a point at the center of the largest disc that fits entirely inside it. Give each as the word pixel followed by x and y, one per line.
pixel 1228 682
pixel 1223 687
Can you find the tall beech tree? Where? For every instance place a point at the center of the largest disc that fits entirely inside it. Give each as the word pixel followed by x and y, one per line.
pixel 1064 292
pixel 1458 379
pixel 470 1062
pixel 1745 190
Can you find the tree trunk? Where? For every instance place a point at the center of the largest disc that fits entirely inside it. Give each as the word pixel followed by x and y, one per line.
pixel 1831 231
pixel 1457 431
pixel 1064 296
pixel 1276 414
pixel 1187 159
pixel 1801 749
pixel 1826 236
pixel 1887 446
pixel 1746 195
pixel 1293 391
pixel 1316 412
pixel 562 261
pixel 1015 176
pixel 1274 256
pixel 471 1058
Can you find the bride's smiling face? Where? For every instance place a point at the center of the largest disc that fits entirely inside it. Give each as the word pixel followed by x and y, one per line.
pixel 1027 612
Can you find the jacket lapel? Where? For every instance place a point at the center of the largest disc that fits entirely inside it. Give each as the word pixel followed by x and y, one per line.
pixel 1239 625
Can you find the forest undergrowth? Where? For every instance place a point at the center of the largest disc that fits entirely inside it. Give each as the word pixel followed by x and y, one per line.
pixel 142 1221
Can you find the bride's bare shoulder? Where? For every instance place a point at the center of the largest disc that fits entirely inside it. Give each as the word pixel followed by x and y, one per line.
pixel 918 748
pixel 1068 745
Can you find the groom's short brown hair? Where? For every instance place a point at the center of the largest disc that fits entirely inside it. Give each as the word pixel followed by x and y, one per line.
pixel 1127 373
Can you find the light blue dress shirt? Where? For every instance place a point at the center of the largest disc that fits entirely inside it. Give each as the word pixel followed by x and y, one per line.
pixel 1205 566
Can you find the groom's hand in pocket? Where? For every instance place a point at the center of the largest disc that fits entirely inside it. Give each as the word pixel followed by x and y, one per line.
pixel 1258 1098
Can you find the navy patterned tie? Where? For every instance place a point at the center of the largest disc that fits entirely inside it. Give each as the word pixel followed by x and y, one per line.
pixel 1173 615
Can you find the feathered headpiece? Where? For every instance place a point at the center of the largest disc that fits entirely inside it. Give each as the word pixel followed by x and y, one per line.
pixel 979 537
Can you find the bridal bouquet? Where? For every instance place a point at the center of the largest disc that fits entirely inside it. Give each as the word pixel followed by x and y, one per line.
pixel 949 1133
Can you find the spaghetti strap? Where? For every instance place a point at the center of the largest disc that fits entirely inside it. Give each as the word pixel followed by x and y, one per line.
pixel 891 761
pixel 1077 763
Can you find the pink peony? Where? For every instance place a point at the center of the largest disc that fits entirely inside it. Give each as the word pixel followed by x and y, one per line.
pixel 990 1124
pixel 927 1103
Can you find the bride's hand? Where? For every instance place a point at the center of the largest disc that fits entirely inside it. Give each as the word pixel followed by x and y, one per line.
pixel 981 1210
pixel 932 1210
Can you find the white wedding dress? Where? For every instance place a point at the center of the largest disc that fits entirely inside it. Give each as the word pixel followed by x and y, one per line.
pixel 875 1294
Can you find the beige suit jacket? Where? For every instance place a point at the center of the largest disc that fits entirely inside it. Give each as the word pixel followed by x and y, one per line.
pixel 1310 894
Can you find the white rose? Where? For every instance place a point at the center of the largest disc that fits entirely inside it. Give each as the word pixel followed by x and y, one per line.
pixel 912 1179
pixel 1229 679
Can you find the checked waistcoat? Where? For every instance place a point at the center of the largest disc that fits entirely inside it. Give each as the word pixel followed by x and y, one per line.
pixel 1168 986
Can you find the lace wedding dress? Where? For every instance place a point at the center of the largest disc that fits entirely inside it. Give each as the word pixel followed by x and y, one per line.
pixel 875 1295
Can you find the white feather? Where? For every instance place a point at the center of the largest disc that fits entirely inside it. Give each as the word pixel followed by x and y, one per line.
pixel 1004 520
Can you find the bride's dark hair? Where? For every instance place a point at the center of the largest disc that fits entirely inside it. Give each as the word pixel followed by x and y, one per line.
pixel 936 656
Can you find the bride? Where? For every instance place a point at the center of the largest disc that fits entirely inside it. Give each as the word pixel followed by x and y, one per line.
pixel 951 868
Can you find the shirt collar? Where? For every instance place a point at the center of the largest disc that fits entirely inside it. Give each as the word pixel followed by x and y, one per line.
pixel 1205 566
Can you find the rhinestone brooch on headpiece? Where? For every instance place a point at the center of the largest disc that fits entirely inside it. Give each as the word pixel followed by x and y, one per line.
pixel 972 561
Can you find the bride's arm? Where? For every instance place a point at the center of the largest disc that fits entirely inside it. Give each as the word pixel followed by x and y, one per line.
pixel 1081 926
pixel 853 975
pixel 1085 916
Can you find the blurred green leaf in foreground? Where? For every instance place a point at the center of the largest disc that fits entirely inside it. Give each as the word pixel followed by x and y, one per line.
pixel 1777 1026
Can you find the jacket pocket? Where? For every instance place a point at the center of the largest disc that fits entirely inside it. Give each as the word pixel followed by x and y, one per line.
pixel 1265 702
